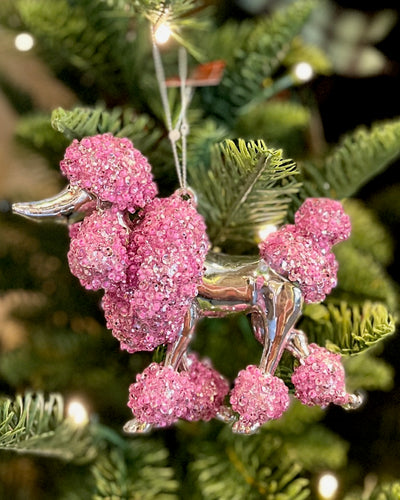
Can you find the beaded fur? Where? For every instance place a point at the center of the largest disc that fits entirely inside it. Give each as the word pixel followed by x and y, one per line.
pixel 302 252
pixel 110 168
pixel 320 379
pixel 258 397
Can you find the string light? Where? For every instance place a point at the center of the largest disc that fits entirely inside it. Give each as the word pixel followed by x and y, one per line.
pixel 328 486
pixel 303 71
pixel 264 231
pixel 24 42
pixel 77 412
pixel 162 33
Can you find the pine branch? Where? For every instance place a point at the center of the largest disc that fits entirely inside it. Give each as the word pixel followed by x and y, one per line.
pixel 138 470
pixel 81 122
pixel 386 491
pixel 305 441
pixel 368 235
pixel 276 120
pixel 368 372
pixel 87 41
pixel 317 448
pixel 313 55
pixel 248 185
pixel 204 134
pixel 361 278
pixel 255 467
pixel 348 329
pixel 359 157
pixel 296 420
pixel 59 360
pixel 167 11
pixel 260 54
pixel 31 424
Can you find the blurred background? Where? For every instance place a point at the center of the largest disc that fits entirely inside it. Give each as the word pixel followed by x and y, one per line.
pixel 362 39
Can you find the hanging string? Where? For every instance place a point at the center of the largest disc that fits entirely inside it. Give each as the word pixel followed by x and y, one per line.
pixel 186 94
pixel 174 135
pixel 181 129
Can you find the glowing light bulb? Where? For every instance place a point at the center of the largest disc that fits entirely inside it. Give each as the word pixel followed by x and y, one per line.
pixel 24 42
pixel 162 33
pixel 303 71
pixel 328 486
pixel 264 231
pixel 77 412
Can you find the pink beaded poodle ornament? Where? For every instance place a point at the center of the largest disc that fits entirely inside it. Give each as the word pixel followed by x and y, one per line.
pixel 151 257
pixel 160 279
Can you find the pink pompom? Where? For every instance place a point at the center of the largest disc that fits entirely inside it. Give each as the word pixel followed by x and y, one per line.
pixel 136 334
pixel 168 247
pixel 258 397
pixel 110 168
pixel 98 254
pixel 300 259
pixel 320 380
pixel 160 395
pixel 209 390
pixel 324 219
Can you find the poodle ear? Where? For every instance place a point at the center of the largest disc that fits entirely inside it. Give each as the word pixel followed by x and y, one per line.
pixel 62 207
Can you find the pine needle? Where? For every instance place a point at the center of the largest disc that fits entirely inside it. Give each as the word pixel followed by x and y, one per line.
pixel 247 186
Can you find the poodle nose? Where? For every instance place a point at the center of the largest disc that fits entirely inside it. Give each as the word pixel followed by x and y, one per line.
pixel 62 207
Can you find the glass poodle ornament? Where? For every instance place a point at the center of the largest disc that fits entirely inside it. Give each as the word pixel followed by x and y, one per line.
pixel 151 257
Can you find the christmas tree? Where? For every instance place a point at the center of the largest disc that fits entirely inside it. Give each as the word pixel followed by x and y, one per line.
pixel 250 133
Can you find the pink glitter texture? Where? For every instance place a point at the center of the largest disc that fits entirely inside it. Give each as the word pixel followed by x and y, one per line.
pixel 160 395
pixel 168 248
pixel 110 168
pixel 300 259
pixel 209 390
pixel 325 220
pixel 133 333
pixel 98 254
pixel 258 397
pixel 320 380
pixel 301 252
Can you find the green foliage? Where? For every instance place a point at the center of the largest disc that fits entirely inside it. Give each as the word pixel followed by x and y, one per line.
pixel 138 471
pixel 368 372
pixel 251 467
pixel 32 424
pixel 360 156
pixel 102 50
pixel 384 491
pixel 313 55
pixel 305 440
pixel 317 448
pixel 388 491
pixel 247 185
pixel 88 43
pixel 81 122
pixel 259 54
pixel 296 420
pixel 163 10
pixel 345 328
pixel 367 232
pixel 278 122
pixel 361 278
